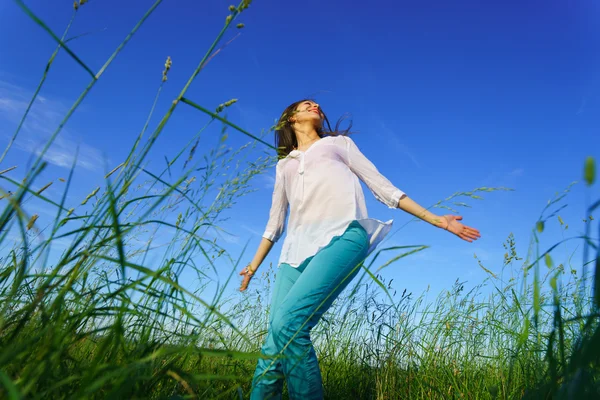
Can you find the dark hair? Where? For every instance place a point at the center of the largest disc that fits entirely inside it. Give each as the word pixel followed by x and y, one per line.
pixel 285 138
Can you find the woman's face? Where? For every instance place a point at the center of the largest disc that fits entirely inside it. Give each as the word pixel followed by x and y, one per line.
pixel 308 111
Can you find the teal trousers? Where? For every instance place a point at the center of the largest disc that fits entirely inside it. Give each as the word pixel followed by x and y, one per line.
pixel 300 297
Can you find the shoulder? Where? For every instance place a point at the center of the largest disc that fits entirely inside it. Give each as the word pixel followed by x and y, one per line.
pixel 338 140
pixel 281 163
pixel 342 141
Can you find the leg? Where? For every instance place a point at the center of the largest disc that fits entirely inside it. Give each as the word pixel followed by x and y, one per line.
pixel 268 376
pixel 319 284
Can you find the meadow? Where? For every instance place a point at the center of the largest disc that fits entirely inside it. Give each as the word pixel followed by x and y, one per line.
pixel 97 321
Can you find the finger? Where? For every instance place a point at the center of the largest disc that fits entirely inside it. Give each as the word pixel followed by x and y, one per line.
pixel 465 235
pixel 473 229
pixel 470 235
pixel 474 233
pixel 458 217
pixel 245 283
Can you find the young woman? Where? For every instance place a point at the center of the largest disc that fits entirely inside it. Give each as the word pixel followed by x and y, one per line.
pixel 329 235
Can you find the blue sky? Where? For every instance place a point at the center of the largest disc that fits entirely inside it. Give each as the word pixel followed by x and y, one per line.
pixel 445 96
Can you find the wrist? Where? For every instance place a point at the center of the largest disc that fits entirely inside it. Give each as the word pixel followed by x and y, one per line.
pixel 251 268
pixel 440 222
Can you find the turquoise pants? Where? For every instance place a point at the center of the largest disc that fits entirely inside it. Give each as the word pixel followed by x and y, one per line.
pixel 300 296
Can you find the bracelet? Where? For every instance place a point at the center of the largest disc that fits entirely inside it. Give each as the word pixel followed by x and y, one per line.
pixel 249 271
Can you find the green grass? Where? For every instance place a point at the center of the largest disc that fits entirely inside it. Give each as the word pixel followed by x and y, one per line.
pixel 110 317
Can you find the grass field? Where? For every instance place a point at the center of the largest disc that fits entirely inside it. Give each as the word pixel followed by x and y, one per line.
pixel 97 322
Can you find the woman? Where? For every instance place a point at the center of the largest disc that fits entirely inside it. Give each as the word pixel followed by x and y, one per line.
pixel 329 236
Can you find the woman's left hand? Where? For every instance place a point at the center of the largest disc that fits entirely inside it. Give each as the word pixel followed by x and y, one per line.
pixel 451 224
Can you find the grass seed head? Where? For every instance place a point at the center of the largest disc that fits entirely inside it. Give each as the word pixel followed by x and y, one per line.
pixel 223 106
pixel 589 173
pixel 44 188
pixel 34 218
pixel 168 64
pixel 89 196
pixel 245 4
pixel 76 4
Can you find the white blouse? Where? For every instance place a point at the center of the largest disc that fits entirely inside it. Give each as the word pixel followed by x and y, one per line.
pixel 324 196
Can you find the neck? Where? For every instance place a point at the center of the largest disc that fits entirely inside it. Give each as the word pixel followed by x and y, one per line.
pixel 305 135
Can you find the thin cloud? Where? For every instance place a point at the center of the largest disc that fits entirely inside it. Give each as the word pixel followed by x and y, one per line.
pixel 269 181
pixel 43 118
pixel 393 139
pixel 517 172
pixel 223 235
pixel 254 59
pixel 480 252
pixel 251 230
pixel 506 179
pixel 581 107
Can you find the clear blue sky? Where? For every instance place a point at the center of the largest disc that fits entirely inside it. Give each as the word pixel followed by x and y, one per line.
pixel 446 96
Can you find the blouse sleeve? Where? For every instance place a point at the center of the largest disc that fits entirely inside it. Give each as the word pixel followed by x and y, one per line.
pixel 279 208
pixel 380 186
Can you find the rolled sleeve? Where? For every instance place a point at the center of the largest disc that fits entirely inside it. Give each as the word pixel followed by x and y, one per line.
pixel 279 208
pixel 380 186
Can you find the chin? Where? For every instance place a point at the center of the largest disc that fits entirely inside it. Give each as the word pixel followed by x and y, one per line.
pixel 317 119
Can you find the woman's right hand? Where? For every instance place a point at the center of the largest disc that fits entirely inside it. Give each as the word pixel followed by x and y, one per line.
pixel 247 273
pixel 263 249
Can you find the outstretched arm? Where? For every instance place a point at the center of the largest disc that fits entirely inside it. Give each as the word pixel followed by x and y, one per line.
pixel 412 207
pixel 388 194
pixel 447 222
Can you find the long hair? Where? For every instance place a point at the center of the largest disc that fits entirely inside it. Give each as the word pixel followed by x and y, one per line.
pixel 285 137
